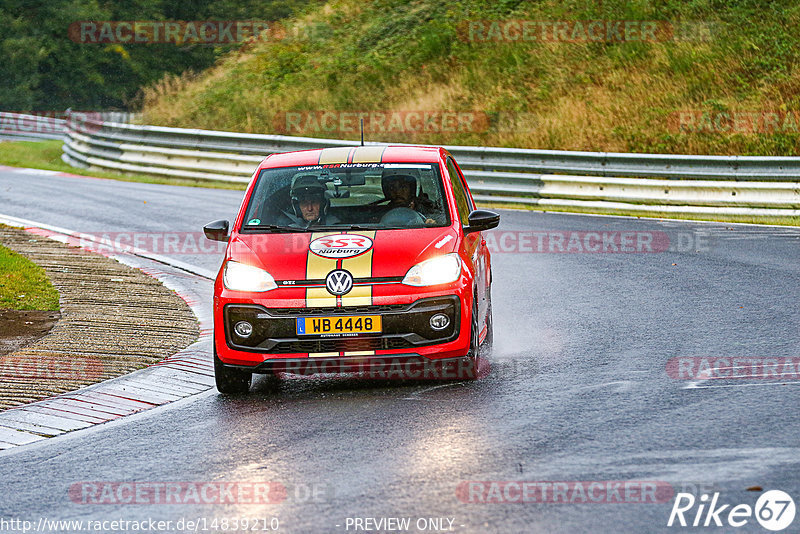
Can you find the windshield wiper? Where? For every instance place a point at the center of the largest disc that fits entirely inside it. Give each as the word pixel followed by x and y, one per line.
pixel 345 227
pixel 278 228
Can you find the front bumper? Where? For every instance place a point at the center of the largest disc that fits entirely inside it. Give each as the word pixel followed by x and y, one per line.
pixel 405 327
pixel 387 367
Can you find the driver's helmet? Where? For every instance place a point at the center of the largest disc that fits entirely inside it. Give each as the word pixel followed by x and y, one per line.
pixel 308 186
pixel 408 179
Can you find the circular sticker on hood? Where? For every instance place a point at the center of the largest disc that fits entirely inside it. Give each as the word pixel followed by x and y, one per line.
pixel 340 245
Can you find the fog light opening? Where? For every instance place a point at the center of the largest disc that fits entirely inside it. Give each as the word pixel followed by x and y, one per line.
pixel 243 329
pixel 440 321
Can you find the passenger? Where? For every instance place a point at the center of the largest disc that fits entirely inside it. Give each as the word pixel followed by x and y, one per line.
pixel 401 192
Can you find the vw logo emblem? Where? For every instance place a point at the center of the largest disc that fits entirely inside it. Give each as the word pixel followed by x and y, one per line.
pixel 339 282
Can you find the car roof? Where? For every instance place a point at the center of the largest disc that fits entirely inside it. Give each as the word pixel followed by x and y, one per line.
pixel 355 154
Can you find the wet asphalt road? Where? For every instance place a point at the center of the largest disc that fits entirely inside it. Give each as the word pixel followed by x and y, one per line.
pixel 578 389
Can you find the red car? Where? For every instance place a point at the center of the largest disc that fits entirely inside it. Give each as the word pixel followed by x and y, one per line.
pixel 363 259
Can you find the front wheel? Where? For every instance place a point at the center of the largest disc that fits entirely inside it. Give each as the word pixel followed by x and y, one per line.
pixel 488 341
pixel 230 381
pixel 472 359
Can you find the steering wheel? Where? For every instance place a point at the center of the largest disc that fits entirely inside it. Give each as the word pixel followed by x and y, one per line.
pixel 403 217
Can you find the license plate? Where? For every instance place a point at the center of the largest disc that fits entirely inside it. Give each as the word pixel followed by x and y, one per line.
pixel 357 324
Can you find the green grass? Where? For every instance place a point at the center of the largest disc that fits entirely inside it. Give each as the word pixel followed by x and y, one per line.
pixel 24 285
pixel 47 155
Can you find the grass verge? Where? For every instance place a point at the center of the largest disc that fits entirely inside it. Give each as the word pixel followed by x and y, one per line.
pixel 47 155
pixel 24 285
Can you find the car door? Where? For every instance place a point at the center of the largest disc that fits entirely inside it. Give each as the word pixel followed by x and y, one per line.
pixel 474 242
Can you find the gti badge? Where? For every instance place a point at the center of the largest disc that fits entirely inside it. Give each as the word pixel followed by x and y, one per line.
pixel 339 282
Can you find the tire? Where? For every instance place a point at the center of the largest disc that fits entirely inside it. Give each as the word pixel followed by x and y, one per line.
pixel 230 381
pixel 488 341
pixel 473 356
pixel 474 331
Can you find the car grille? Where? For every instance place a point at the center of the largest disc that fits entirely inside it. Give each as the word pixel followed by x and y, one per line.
pixel 339 345
pixel 405 326
pixel 341 310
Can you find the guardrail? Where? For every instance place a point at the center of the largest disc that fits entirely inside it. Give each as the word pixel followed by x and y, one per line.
pixel 21 127
pixel 51 125
pixel 734 185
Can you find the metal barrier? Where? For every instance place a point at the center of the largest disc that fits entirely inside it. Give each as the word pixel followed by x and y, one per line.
pixel 39 126
pixel 20 127
pixel 734 185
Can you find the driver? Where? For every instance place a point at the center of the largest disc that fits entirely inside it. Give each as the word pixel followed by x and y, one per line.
pixel 309 201
pixel 400 190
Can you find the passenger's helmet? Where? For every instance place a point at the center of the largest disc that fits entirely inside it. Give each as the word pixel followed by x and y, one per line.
pixel 405 178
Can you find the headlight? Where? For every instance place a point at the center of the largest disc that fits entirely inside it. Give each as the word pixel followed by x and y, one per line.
pixel 241 277
pixel 441 270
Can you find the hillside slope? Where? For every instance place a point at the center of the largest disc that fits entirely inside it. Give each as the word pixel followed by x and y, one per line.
pixel 716 77
pixel 51 60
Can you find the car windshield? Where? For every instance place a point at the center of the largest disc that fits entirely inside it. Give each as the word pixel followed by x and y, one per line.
pixel 347 196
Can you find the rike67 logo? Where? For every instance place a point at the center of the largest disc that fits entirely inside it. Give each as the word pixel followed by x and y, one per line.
pixel 774 510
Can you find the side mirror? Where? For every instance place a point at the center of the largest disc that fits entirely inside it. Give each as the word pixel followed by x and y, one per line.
pixel 480 220
pixel 217 230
